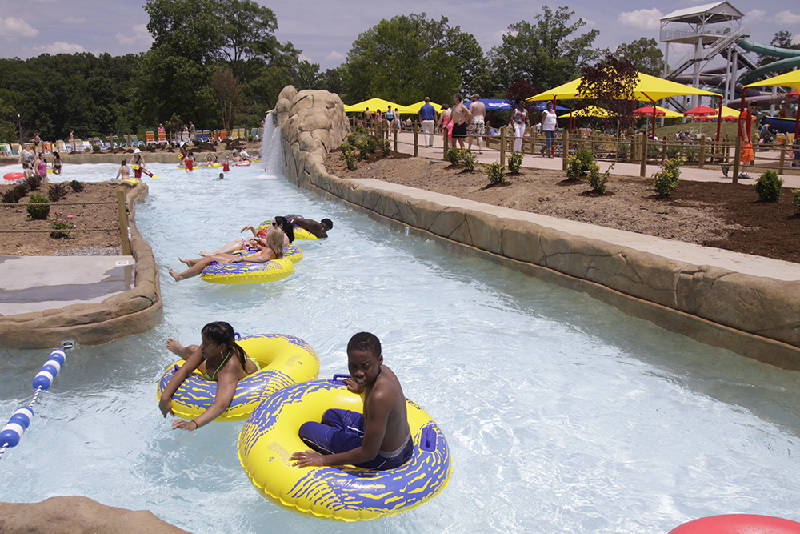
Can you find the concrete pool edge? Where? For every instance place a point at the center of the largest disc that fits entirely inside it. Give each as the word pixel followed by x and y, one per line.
pixel 748 314
pixel 125 313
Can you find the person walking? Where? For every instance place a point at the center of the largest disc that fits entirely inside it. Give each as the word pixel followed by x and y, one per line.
pixel 549 125
pixel 427 118
pixel 459 115
pixel 520 123
pixel 477 126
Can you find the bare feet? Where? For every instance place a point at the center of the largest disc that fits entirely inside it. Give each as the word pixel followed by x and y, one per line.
pixel 187 262
pixel 175 275
pixel 175 347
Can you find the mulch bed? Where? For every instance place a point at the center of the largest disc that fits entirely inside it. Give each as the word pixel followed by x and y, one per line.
pixel 720 215
pixel 21 243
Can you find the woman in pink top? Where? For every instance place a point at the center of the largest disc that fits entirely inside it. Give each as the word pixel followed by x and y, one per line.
pixel 41 168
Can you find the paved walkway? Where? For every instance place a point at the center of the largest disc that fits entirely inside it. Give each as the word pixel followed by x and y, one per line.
pixel 36 283
pixel 405 142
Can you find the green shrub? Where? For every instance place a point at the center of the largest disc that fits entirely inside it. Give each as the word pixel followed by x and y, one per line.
pixel 386 147
pixel 692 154
pixel 514 162
pixel 61 226
pixel 796 201
pixel 673 152
pixel 453 155
pixel 95 148
pixel 653 150
pixel 467 159
pixel 38 207
pixel 350 157
pixel 769 186
pixel 496 173
pixel 598 181
pixel 623 150
pixel 578 166
pixel 76 186
pixel 666 180
pixel 56 192
pixel 14 194
pixel 34 182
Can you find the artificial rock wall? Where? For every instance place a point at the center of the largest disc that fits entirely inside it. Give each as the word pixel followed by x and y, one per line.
pixel 755 316
pixel 120 315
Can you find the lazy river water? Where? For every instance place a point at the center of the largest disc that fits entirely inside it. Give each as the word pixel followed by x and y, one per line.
pixel 562 413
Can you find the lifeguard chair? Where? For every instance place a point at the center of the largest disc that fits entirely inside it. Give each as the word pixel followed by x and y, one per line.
pixel 162 138
pixel 149 137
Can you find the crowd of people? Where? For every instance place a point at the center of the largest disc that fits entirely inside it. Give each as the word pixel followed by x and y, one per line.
pixel 466 124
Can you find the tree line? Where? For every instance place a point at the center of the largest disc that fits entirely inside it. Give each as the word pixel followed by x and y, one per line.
pixel 218 63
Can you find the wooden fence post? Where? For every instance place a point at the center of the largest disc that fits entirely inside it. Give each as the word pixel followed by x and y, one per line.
pixel 123 221
pixel 782 160
pixel 664 149
pixel 445 143
pixel 395 139
pixel 503 145
pixel 737 155
pixel 416 138
pixel 702 157
pixel 643 167
pixel 564 148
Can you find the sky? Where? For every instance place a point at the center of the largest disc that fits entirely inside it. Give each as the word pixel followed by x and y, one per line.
pixel 324 30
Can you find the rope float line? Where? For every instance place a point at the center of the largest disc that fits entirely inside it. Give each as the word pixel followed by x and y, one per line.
pixel 20 420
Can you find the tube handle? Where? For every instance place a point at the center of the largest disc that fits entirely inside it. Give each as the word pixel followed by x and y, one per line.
pixel 339 378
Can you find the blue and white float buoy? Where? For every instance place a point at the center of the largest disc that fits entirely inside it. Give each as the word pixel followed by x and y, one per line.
pixel 20 420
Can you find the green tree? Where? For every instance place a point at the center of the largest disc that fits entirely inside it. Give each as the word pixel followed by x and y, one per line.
pixel 549 51
pixel 644 54
pixel 781 39
pixel 409 57
pixel 186 28
pixel 229 94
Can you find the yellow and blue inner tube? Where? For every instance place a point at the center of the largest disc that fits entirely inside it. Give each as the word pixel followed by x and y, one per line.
pixel 284 361
pixel 292 252
pixel 248 273
pixel 346 493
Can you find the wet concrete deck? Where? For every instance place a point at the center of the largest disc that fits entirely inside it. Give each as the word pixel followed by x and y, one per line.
pixel 36 283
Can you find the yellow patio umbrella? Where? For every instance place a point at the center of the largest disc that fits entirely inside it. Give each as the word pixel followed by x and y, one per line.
pixel 589 111
pixel 727 113
pixel 373 104
pixel 413 109
pixel 649 88
pixel 789 79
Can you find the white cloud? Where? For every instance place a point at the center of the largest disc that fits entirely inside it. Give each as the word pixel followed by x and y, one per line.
pixel 796 38
pixel 649 19
pixel 59 47
pixel 788 17
pixel 334 57
pixel 16 27
pixel 754 15
pixel 136 36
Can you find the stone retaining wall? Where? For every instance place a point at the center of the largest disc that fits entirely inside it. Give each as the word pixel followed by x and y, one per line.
pixel 123 314
pixel 755 316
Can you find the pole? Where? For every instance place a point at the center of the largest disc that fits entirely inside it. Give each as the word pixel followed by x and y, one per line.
pixel 782 160
pixel 702 151
pixel 503 145
pixel 564 149
pixel 123 221
pixel 719 118
pixel 416 139
pixel 395 138
pixel 797 117
pixel 444 143
pixel 643 166
pixel 737 155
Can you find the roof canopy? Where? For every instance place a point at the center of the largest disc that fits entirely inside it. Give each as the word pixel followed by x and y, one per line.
pixel 648 88
pixel 708 13
pixel 373 104
pixel 790 79
pixel 589 111
pixel 647 111
pixel 414 108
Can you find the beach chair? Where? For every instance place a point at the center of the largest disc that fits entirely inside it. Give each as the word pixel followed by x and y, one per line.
pixel 162 137
pixel 15 149
pixel 223 134
pixel 234 134
pixel 60 146
pixel 201 136
pixel 255 133
pixel 133 140
pixel 149 137
pixel 5 148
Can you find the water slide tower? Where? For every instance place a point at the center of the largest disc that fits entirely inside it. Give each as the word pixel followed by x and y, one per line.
pixel 711 29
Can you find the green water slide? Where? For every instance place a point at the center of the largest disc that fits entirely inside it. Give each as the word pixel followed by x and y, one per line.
pixel 790 59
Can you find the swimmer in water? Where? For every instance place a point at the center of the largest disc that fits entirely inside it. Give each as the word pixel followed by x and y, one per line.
pixel 220 359
pixel 272 250
pixel 124 172
pixel 379 439
pixel 319 229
